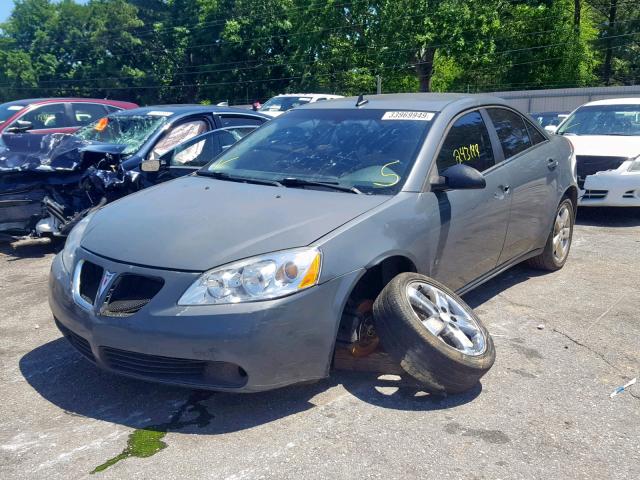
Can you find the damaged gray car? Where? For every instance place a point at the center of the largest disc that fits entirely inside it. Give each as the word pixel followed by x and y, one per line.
pixel 47 192
pixel 336 225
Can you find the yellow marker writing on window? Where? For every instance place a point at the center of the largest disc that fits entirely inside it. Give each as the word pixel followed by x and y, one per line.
pixel 390 173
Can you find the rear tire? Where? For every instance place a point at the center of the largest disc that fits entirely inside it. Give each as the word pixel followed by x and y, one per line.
pixel 407 334
pixel 556 250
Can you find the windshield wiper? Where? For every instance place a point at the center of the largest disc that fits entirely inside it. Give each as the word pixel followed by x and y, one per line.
pixel 234 178
pixel 301 182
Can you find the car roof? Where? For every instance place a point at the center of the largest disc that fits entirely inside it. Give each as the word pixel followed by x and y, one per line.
pixel 33 101
pixel 430 102
pixel 184 109
pixel 327 95
pixel 614 101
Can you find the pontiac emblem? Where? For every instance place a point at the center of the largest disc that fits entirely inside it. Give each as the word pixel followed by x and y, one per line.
pixel 106 280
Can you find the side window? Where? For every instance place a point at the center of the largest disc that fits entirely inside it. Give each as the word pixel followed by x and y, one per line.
pixel 47 116
pixel 86 113
pixel 238 120
pixel 511 131
pixel 112 109
pixel 203 149
pixel 535 136
pixel 178 134
pixel 467 142
pixel 194 154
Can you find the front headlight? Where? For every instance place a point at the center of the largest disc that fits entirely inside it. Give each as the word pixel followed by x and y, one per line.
pixel 635 165
pixel 263 277
pixel 73 242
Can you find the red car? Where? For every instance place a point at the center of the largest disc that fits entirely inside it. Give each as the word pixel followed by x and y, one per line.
pixel 23 123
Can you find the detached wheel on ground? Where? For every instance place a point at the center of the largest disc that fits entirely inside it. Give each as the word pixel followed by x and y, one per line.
pixel 432 333
pixel 556 250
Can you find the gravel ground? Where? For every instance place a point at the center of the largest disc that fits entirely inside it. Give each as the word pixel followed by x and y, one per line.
pixel 543 411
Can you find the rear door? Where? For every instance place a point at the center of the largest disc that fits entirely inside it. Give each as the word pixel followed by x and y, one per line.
pixel 530 165
pixel 473 223
pixel 84 113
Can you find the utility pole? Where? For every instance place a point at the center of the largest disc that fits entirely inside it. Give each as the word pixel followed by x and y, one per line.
pixel 379 84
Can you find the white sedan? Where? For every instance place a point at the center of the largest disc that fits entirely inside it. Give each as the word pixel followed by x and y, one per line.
pixel 606 138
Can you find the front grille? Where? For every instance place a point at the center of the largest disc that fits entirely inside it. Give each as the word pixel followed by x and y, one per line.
pixel 179 370
pixel 77 341
pixel 590 164
pixel 595 194
pixel 629 194
pixel 129 294
pixel 90 277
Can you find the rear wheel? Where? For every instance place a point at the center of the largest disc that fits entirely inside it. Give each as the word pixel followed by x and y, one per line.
pixel 556 250
pixel 436 337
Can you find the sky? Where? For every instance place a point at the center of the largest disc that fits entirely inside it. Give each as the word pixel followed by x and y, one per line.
pixel 7 5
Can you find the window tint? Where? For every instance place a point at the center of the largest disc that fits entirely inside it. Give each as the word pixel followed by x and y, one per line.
pixel 238 120
pixel 535 136
pixel 511 130
pixel 467 142
pixel 178 134
pixel 47 116
pixel 86 113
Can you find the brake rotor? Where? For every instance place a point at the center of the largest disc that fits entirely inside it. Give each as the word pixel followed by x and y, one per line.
pixel 368 339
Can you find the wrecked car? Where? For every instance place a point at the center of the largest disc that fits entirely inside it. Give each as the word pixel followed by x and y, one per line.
pixel 339 226
pixel 48 191
pixel 606 138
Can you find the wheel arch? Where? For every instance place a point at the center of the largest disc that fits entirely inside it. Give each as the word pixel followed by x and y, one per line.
pixel 368 286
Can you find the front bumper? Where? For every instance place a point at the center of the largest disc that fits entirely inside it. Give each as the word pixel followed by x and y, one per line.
pixel 611 189
pixel 244 347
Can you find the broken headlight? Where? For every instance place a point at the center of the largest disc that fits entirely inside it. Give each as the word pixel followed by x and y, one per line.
pixel 73 242
pixel 264 277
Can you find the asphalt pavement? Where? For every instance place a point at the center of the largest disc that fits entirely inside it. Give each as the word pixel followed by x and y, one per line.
pixel 564 342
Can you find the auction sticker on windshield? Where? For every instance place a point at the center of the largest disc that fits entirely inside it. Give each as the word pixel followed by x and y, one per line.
pixel 424 116
pixel 157 113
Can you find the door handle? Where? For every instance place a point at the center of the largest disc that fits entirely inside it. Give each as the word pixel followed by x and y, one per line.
pixel 552 163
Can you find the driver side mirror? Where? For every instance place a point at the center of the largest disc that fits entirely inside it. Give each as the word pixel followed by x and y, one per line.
pixel 459 177
pixel 152 164
pixel 20 126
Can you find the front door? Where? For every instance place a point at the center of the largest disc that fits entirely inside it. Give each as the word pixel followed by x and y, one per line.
pixel 473 223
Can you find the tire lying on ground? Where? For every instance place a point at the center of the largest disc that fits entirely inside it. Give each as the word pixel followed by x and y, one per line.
pixel 434 335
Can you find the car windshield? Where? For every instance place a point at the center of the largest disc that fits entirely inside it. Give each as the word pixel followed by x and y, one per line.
pixel 129 130
pixel 7 110
pixel 371 150
pixel 282 104
pixel 603 120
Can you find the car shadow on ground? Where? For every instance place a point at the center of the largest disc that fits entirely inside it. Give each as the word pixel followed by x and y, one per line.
pixel 61 376
pixel 609 217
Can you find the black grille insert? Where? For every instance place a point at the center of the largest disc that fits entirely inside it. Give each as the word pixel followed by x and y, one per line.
pixel 129 294
pixel 77 341
pixel 590 164
pixel 181 370
pixel 90 278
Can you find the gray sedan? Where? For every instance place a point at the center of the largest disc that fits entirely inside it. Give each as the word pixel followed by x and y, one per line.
pixel 246 275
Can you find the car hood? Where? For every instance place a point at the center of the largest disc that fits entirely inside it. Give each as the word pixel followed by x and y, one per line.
pixel 197 223
pixel 58 152
pixel 605 145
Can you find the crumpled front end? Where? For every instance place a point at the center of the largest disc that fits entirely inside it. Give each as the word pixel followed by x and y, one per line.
pixel 46 192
